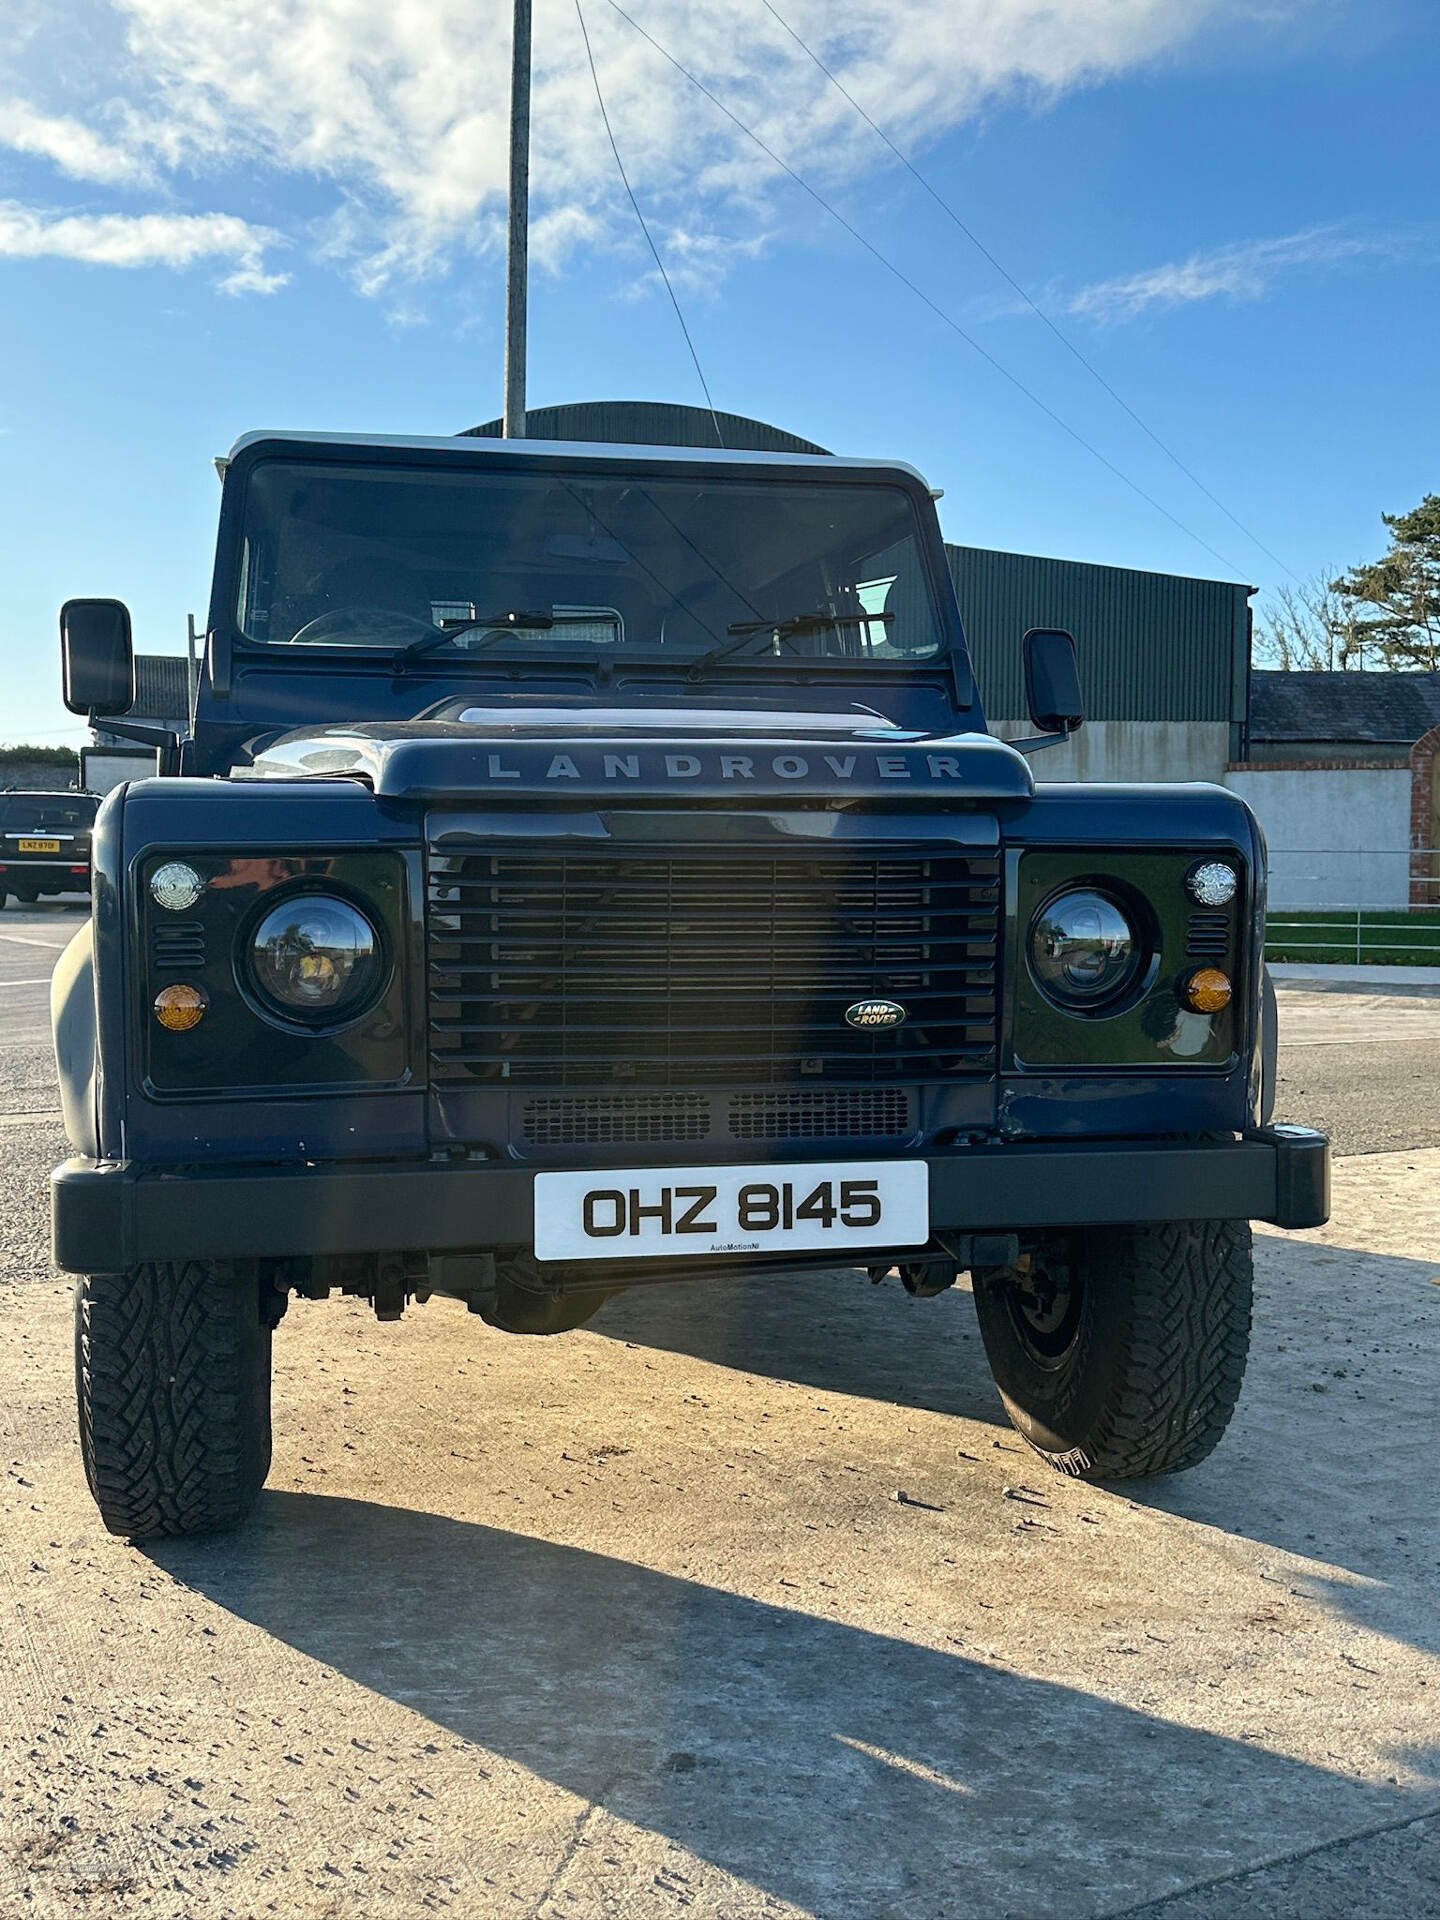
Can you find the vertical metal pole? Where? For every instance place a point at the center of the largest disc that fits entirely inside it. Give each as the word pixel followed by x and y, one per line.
pixel 192 675
pixel 518 249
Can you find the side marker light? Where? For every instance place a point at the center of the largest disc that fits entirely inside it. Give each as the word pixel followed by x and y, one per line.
pixel 179 1008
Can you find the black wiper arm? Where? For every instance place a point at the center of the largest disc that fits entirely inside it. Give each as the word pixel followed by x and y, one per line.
pixel 783 630
pixel 511 620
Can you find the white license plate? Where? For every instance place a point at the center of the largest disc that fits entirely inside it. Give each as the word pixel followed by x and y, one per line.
pixel 637 1214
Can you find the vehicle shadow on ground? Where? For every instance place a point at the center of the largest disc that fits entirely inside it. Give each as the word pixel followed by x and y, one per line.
pixel 832 1331
pixel 859 1776
pixel 1329 1454
pixel 1325 1466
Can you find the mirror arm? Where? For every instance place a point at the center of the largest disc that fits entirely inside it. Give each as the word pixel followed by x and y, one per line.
pixel 164 739
pixel 1035 742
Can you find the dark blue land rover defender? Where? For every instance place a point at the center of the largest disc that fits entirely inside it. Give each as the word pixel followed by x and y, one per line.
pixel 589 866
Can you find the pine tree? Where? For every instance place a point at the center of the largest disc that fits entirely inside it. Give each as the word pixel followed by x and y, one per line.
pixel 1403 589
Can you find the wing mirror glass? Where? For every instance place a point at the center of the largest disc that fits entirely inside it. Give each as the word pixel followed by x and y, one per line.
pixel 1052 680
pixel 97 656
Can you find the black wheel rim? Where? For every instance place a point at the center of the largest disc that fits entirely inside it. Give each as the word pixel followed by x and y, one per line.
pixel 1046 1305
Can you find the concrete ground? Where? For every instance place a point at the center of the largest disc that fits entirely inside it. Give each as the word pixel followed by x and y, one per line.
pixel 746 1601
pixel 1364 1064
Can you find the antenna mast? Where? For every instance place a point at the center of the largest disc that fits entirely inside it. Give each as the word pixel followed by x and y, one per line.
pixel 517 260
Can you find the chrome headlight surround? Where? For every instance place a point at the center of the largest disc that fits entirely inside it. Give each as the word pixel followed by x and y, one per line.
pixel 313 960
pixel 1086 948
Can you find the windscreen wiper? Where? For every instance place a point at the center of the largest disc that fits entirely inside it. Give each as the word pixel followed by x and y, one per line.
pixel 511 620
pixel 782 630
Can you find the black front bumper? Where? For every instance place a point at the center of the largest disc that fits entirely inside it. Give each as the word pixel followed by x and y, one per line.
pixel 112 1215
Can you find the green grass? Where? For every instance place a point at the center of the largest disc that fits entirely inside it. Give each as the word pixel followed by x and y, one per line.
pixel 1389 939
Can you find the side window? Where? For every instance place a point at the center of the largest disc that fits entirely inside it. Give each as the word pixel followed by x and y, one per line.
pixel 874 597
pixel 252 611
pixel 894 583
pixel 242 599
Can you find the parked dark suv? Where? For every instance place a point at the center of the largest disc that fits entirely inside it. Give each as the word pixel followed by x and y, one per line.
pixel 44 843
pixel 590 866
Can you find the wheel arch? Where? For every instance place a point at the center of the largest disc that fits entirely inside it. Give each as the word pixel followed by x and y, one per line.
pixel 72 1025
pixel 1269 1047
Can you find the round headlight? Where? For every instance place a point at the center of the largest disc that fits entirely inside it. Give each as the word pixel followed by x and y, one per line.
pixel 1083 949
pixel 315 958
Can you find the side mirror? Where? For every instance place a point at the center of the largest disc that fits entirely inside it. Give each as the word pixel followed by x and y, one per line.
pixel 97 656
pixel 1052 680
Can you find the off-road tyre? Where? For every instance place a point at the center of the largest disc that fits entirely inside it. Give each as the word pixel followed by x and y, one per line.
pixel 172 1377
pixel 1119 1351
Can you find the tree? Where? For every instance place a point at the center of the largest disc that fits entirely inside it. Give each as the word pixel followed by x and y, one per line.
pixel 1403 589
pixel 1303 627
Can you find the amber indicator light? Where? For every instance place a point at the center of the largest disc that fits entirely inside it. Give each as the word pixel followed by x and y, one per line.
pixel 179 1008
pixel 1207 990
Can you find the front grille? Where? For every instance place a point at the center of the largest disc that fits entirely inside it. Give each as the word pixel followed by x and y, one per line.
pixel 568 1120
pixel 680 969
pixel 824 1113
pixel 816 1113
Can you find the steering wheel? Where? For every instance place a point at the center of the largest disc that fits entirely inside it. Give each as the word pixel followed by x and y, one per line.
pixel 339 623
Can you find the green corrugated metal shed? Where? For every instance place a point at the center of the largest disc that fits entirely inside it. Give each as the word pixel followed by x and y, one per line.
pixel 1153 646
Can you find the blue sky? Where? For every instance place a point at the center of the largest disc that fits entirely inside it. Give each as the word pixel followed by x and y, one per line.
pixel 215 217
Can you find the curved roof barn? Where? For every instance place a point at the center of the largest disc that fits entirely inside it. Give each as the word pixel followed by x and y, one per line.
pixel 652 423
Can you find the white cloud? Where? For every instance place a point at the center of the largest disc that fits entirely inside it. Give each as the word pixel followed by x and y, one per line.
pixel 143 240
pixel 1244 271
pixel 395 110
pixel 77 150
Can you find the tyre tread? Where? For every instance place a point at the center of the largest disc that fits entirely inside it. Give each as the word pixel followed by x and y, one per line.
pixel 172 1365
pixel 1188 1288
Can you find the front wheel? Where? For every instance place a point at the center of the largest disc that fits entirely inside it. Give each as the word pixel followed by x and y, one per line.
pixel 1119 1351
pixel 172 1375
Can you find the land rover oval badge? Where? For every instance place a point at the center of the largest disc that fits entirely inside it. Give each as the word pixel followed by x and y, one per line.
pixel 875 1013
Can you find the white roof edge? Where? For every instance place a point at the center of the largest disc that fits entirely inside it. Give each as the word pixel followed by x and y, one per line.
pixel 578 449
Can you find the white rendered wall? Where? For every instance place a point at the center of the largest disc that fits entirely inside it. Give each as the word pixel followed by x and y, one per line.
pixel 1338 836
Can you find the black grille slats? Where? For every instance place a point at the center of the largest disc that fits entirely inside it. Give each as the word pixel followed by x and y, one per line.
pixel 666 969
pixel 1208 936
pixel 599 1119
pixel 178 947
pixel 781 1113
pixel 821 1113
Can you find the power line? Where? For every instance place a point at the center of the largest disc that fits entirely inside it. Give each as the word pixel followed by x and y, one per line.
pixel 649 237
pixel 920 294
pixel 1039 312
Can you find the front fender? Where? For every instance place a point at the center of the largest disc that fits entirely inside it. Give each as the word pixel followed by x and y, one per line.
pixel 72 1023
pixel 1269 1048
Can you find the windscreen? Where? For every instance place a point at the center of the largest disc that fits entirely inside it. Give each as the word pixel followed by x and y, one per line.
pixel 346 556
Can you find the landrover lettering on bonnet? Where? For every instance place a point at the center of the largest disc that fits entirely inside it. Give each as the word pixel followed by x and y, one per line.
pixel 875 1013
pixel 728 766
